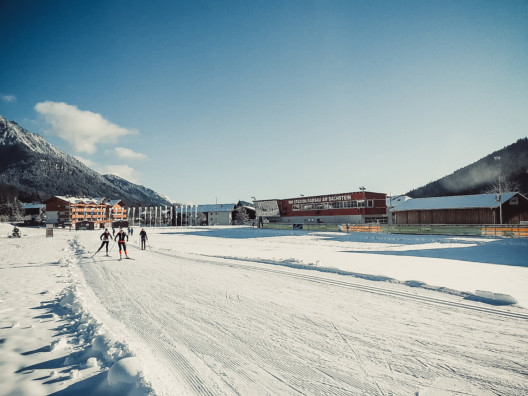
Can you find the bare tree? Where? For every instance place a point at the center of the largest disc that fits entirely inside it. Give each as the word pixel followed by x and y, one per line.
pixel 503 185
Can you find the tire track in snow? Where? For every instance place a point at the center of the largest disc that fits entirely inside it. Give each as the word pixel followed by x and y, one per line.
pixel 154 329
pixel 156 334
pixel 352 285
pixel 265 358
pixel 293 369
pixel 156 337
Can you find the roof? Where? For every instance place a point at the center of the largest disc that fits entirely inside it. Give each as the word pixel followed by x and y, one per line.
pixel 33 206
pixel 113 202
pixel 77 200
pixel 210 208
pixel 454 202
pixel 246 204
pixel 396 200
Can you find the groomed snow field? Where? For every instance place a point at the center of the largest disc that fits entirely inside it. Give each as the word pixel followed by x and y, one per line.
pixel 245 311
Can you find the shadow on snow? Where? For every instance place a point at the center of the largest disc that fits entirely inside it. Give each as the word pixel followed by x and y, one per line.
pixel 491 252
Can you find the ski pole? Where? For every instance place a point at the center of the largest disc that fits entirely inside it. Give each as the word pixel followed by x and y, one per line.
pixel 97 251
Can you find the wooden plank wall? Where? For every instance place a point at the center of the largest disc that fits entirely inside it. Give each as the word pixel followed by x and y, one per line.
pixel 446 216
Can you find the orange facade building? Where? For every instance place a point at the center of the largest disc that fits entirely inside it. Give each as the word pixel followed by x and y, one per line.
pixel 62 210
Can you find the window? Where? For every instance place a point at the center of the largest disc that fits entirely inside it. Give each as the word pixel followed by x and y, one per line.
pixel 514 201
pixel 370 203
pixel 378 220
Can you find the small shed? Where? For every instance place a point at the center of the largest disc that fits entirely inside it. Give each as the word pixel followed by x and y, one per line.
pixel 464 209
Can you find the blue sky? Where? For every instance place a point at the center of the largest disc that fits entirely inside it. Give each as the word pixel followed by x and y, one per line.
pixel 225 100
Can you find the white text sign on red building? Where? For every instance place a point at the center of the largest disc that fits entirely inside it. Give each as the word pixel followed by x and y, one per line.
pixel 326 198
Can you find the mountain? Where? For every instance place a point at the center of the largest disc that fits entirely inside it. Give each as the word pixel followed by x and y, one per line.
pixel 511 163
pixel 37 169
pixel 142 193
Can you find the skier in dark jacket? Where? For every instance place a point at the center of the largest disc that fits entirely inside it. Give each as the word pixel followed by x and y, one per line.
pixel 105 237
pixel 143 235
pixel 121 235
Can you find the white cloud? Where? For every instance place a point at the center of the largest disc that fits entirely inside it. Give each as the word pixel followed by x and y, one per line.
pixel 8 98
pixel 88 162
pixel 84 130
pixel 125 153
pixel 124 171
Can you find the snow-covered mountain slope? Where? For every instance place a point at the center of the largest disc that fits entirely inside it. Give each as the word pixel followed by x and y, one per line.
pixel 141 192
pixel 30 163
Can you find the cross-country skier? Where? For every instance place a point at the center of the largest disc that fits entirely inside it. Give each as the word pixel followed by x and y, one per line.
pixel 121 235
pixel 143 235
pixel 105 237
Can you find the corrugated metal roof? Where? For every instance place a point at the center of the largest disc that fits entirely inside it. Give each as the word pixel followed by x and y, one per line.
pixel 33 206
pixel 455 202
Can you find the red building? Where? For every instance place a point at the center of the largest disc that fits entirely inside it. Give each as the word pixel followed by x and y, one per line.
pixel 353 208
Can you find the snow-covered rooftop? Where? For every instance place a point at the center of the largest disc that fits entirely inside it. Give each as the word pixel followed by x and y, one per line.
pixel 113 202
pixel 396 200
pixel 77 200
pixel 454 202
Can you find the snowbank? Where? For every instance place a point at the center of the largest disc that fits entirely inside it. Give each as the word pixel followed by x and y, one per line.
pixel 49 342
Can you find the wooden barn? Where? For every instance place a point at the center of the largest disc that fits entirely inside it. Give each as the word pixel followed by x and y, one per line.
pixel 464 209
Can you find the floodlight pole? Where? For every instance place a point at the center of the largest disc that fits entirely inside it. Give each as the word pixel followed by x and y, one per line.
pixel 498 158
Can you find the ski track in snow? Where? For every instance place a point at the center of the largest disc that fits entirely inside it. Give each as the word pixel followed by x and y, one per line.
pixel 216 325
pixel 226 311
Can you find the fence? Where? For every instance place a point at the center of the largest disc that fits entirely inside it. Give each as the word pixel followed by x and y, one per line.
pixel 513 231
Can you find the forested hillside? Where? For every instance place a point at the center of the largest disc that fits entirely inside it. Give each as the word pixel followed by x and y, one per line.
pixel 510 163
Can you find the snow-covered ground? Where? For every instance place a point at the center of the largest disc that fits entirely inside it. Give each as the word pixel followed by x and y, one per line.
pixel 236 310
